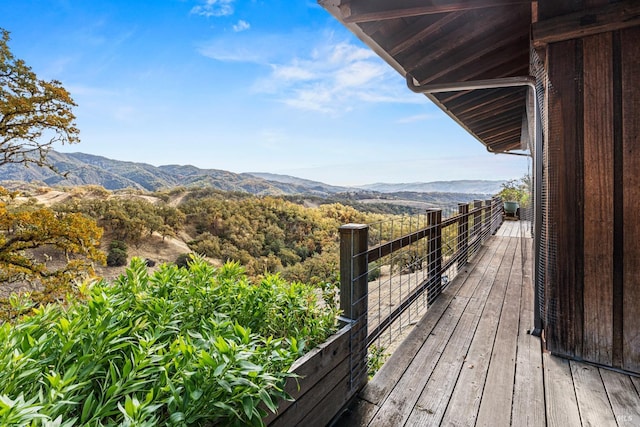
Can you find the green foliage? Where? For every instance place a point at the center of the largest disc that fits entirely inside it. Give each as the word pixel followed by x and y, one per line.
pixel 117 255
pixel 183 260
pixel 517 190
pixel 129 219
pixel 178 347
pixel 374 271
pixel 118 244
pixel 34 113
pixel 116 258
pixel 25 227
pixel 264 234
pixel 376 357
pixel 267 234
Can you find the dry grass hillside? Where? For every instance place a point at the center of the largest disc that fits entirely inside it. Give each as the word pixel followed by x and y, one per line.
pixel 152 247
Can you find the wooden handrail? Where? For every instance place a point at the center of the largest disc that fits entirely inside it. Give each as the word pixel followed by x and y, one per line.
pixel 355 257
pixel 388 248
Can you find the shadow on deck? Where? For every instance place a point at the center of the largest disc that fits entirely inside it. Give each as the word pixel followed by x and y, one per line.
pixel 471 362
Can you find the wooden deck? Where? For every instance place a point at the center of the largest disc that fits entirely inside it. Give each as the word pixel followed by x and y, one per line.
pixel 471 362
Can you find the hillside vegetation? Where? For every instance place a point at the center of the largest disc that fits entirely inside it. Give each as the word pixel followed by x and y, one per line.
pixel 265 234
pixel 197 346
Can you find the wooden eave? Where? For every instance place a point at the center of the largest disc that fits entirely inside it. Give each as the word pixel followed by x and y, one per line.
pixel 451 42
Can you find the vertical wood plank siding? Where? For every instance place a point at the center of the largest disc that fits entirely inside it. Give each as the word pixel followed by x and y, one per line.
pixel 630 51
pixel 593 286
pixel 564 299
pixel 598 198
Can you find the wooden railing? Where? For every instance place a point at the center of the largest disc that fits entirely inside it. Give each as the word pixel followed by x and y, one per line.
pixel 467 230
pixel 332 374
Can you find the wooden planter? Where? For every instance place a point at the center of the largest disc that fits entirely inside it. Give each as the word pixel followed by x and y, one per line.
pixel 323 387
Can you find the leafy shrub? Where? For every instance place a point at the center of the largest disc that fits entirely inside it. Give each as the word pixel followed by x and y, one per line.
pixel 118 244
pixel 117 255
pixel 116 258
pixel 374 271
pixel 375 359
pixel 178 347
pixel 183 260
pixel 517 190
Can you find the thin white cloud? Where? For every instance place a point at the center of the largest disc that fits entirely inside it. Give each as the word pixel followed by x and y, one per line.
pixel 313 71
pixel 245 46
pixel 292 72
pixel 241 26
pixel 214 8
pixel 334 77
pixel 125 113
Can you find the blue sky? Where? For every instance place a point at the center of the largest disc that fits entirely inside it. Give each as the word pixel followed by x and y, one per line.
pixel 241 85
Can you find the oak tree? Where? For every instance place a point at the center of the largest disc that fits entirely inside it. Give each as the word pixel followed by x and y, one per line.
pixel 34 114
pixel 23 229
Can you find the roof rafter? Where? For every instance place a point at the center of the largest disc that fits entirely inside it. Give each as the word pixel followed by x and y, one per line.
pixel 356 11
pixel 424 32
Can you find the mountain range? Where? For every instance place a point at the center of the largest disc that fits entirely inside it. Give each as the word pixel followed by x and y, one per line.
pixel 84 169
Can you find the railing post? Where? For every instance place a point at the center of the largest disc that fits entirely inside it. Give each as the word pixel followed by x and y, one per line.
pixel 354 296
pixel 463 233
pixel 434 256
pixel 486 227
pixel 497 214
pixel 477 217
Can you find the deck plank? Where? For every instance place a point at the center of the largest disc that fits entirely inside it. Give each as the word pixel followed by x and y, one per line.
pixel 401 400
pixel 623 396
pixel 379 388
pixel 528 389
pixel 560 397
pixel 465 400
pixel 593 402
pixel 434 399
pixel 498 389
pixel 470 360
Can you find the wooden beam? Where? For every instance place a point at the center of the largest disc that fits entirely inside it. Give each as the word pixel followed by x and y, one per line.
pixel 471 98
pixel 511 61
pixel 615 16
pixel 357 11
pixel 489 109
pixel 466 35
pixel 424 32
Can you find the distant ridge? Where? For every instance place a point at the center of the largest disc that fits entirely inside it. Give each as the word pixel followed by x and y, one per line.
pixel 84 169
pixel 287 179
pixel 459 186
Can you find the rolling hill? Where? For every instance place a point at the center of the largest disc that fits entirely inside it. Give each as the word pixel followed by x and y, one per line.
pixel 84 169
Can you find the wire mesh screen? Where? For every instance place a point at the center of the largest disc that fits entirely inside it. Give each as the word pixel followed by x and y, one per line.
pixel 546 248
pixel 396 277
pixel 428 251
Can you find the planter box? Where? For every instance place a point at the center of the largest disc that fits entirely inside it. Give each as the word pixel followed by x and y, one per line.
pixel 324 386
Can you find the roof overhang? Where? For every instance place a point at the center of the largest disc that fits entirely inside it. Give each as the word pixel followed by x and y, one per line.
pixel 470 57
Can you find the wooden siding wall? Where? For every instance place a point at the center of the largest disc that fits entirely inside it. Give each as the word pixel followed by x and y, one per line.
pixel 593 290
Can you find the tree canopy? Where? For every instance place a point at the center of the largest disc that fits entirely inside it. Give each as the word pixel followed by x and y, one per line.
pixel 34 113
pixel 24 227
